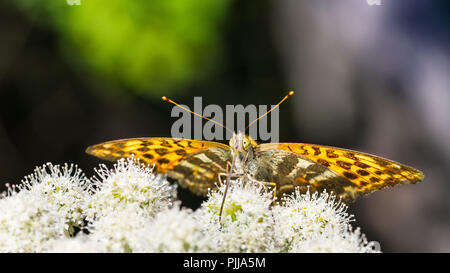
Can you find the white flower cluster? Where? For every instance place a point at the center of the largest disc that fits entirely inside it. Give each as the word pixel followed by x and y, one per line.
pixel 317 223
pixel 130 209
pixel 247 222
pixel 129 184
pixel 48 205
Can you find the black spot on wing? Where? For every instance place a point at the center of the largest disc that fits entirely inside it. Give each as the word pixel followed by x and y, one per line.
pixel 166 143
pixel 362 172
pixel 316 150
pixel 350 175
pixel 344 165
pixel 161 151
pixel 149 156
pixel 163 161
pixel 361 165
pixel 177 142
pixel 181 152
pixel 374 179
pixel 331 154
pixel 323 162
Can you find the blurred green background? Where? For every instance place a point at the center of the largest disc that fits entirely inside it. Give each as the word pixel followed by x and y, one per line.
pixel 146 46
pixel 368 78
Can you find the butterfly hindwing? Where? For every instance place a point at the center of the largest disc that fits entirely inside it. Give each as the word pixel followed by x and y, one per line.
pixel 164 153
pixel 199 171
pixel 289 171
pixel 366 172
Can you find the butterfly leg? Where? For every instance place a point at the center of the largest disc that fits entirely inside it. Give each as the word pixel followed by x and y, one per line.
pixel 226 189
pixel 265 185
pixel 221 176
pixel 271 184
pixel 226 173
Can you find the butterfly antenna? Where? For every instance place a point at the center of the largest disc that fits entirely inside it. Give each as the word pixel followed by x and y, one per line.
pixel 273 108
pixel 164 98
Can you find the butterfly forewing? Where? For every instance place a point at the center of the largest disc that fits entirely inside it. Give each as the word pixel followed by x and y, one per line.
pixel 164 153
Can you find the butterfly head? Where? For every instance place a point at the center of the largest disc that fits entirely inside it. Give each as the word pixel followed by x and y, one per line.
pixel 242 145
pixel 242 142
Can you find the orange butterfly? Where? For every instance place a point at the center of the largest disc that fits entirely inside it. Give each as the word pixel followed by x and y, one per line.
pixel 198 165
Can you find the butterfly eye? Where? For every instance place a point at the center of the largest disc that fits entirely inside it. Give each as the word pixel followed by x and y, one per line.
pixel 245 143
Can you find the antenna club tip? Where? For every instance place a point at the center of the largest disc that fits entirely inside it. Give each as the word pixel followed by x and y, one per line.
pixel 164 98
pixel 291 93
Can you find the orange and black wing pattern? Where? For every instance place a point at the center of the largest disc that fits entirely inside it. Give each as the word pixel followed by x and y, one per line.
pixel 164 153
pixel 366 172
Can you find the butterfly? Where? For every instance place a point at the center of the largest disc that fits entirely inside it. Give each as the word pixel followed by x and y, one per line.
pixel 199 165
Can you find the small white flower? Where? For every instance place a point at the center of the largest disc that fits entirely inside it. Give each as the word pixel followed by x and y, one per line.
pixel 303 216
pixel 79 244
pixel 129 184
pixel 121 230
pixel 247 224
pixel 334 241
pixel 66 187
pixel 175 230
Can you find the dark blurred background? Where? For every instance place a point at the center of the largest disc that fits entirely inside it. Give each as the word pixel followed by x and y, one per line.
pixel 369 78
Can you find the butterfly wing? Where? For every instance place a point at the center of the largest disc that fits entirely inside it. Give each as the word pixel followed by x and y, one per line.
pixel 199 172
pixel 164 153
pixel 367 173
